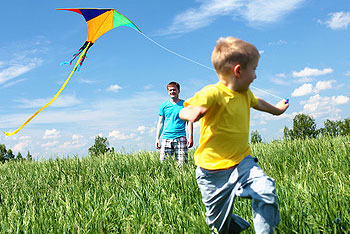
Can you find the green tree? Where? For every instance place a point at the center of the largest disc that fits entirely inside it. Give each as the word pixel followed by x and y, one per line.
pixel 287 133
pixel 255 137
pixel 344 127
pixel 331 128
pixel 10 154
pixel 3 153
pixel 19 156
pixel 100 147
pixel 304 126
pixel 29 156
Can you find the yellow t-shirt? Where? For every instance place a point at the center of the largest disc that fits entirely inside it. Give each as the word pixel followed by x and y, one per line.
pixel 224 133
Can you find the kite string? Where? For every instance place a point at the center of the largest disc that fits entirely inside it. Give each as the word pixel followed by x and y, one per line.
pixel 179 55
pixel 58 93
pixel 193 61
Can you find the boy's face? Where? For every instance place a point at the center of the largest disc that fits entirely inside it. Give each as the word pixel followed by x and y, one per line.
pixel 173 91
pixel 247 75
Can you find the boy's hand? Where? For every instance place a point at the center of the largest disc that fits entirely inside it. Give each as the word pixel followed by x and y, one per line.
pixel 192 113
pixel 278 109
pixel 282 106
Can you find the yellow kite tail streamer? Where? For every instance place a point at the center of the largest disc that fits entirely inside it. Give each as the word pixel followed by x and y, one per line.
pixel 58 93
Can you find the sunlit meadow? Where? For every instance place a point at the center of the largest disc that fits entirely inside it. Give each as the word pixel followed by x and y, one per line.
pixel 135 193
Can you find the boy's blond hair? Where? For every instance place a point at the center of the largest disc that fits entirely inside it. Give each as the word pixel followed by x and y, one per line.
pixel 230 51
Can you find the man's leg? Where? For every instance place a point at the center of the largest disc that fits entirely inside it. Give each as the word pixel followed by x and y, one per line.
pixel 181 151
pixel 166 149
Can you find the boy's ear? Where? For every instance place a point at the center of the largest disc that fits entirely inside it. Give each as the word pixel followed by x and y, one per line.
pixel 237 70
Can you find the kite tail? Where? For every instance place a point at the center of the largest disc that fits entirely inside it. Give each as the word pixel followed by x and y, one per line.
pixel 87 45
pixel 80 51
pixel 58 93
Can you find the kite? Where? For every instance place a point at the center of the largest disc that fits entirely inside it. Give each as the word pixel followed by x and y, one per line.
pixel 99 21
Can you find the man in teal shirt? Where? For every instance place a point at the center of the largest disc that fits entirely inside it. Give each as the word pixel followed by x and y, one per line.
pixel 174 141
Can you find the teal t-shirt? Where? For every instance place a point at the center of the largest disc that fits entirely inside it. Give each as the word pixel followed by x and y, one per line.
pixel 173 127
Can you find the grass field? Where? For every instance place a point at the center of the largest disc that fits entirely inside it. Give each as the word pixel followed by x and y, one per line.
pixel 135 193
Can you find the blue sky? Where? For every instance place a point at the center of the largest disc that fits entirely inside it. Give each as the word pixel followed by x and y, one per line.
pixel 304 46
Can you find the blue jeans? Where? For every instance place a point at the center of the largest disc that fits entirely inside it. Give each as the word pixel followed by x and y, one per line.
pixel 220 187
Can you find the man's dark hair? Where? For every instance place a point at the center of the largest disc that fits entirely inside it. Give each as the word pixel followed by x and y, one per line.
pixel 173 83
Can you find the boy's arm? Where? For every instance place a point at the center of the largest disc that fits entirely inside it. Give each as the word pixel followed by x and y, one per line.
pixel 159 128
pixel 190 135
pixel 278 109
pixel 192 113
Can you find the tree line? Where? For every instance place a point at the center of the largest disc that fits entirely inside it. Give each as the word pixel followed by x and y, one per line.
pixel 304 126
pixel 8 155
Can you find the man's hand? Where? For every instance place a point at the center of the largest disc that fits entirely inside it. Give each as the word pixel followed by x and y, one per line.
pixel 189 143
pixel 157 144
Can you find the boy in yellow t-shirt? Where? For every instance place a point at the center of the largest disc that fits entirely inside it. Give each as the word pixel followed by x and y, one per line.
pixel 225 167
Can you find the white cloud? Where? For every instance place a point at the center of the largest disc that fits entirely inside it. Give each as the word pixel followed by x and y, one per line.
pixel 61 101
pixel 84 81
pixel 50 144
pixel 253 11
pixel 312 72
pixel 304 80
pixel 141 129
pixel 302 90
pixel 17 68
pixel 337 20
pixel 148 87
pixel 75 144
pixel 115 134
pixel 306 89
pixel 76 137
pixel 51 134
pixel 281 75
pixel 112 111
pixel 325 107
pixel 277 43
pixel 21 146
pixel 261 11
pixel 347 73
pixel 149 130
pixel 114 88
pixel 9 84
pixel 322 85
pixel 281 79
pixel 340 100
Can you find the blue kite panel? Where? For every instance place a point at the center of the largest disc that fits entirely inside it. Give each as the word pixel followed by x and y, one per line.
pixel 92 13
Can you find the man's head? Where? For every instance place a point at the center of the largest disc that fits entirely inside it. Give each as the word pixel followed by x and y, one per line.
pixel 230 51
pixel 173 90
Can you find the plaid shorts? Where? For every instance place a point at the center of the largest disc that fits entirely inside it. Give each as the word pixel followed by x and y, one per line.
pixel 177 147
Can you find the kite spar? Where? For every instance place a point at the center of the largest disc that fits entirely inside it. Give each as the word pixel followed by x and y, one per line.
pixel 99 21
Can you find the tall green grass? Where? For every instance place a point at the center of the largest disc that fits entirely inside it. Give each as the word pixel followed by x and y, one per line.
pixel 135 193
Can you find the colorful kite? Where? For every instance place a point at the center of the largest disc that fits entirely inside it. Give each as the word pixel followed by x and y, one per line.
pixel 99 21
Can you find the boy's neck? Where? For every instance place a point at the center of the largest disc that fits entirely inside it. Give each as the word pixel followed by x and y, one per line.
pixel 229 81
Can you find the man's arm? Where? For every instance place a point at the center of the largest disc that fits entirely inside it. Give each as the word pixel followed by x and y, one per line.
pixel 159 128
pixel 192 113
pixel 190 134
pixel 278 109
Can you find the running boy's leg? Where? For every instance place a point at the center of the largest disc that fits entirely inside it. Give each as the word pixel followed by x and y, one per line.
pixel 218 188
pixel 261 189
